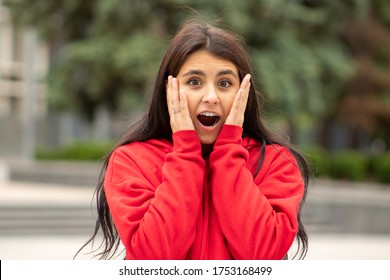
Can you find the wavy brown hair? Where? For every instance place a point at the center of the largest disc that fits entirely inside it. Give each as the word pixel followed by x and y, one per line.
pixel 155 124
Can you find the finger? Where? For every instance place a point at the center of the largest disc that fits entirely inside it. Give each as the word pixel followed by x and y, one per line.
pixel 175 93
pixel 175 100
pixel 182 100
pixel 237 103
pixel 236 115
pixel 185 112
pixel 242 94
pixel 245 84
pixel 183 104
pixel 172 94
pixel 245 95
pixel 245 91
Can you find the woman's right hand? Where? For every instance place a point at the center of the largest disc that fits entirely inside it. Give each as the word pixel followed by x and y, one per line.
pixel 178 107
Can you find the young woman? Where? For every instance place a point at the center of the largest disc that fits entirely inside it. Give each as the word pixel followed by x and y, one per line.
pixel 200 177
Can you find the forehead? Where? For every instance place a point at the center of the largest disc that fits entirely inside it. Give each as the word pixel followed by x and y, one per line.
pixel 205 60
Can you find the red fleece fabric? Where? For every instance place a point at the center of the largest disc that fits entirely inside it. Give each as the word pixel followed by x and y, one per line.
pixel 168 202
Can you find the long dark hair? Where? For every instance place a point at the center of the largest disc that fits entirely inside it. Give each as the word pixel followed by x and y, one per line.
pixel 192 36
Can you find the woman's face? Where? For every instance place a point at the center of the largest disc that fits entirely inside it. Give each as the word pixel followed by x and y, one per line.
pixel 210 84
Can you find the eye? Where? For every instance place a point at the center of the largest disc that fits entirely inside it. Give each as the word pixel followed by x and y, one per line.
pixel 194 82
pixel 225 83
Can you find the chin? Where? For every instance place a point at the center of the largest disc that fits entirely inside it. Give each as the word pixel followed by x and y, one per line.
pixel 207 140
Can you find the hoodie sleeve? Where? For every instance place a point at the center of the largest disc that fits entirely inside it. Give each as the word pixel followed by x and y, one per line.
pixel 258 216
pixel 156 219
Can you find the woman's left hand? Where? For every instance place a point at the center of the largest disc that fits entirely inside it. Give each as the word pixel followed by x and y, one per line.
pixel 236 115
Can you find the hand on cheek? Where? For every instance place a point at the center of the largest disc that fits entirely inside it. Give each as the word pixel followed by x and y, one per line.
pixel 177 106
pixel 236 115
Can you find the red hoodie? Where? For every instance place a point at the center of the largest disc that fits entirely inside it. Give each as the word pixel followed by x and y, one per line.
pixel 168 202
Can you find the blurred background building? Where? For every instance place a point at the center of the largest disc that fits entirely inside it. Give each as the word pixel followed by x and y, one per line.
pixel 23 66
pixel 26 122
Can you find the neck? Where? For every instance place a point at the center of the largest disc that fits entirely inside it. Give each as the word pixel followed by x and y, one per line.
pixel 207 149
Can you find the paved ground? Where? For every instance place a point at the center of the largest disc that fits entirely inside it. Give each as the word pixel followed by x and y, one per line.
pixel 322 246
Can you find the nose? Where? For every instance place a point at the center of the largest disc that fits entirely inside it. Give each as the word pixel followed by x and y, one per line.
pixel 210 96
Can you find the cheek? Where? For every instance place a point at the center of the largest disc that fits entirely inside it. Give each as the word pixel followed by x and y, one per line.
pixel 227 102
pixel 191 102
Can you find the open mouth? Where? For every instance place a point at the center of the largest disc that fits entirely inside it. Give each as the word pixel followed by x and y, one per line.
pixel 208 119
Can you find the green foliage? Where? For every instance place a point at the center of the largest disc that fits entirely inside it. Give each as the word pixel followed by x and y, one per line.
pixel 319 161
pixel 103 51
pixel 106 51
pixel 102 71
pixel 382 7
pixel 301 70
pixel 85 150
pixel 349 165
pixel 381 168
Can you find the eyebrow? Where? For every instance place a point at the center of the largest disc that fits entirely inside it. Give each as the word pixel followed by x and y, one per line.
pixel 201 73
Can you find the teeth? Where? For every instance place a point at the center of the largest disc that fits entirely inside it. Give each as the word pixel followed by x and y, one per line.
pixel 208 118
pixel 209 114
